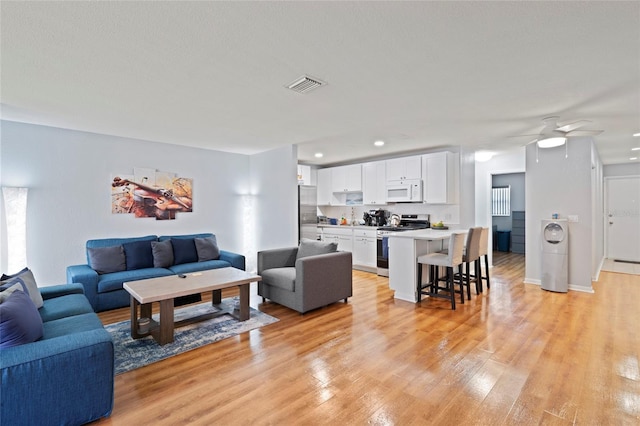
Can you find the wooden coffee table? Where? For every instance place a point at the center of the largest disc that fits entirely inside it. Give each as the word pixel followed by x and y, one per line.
pixel 165 289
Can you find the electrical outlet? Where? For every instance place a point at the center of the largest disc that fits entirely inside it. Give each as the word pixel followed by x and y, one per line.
pixel 573 218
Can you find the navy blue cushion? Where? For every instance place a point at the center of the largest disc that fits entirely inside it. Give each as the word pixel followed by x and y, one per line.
pixel 20 321
pixel 138 255
pixel 184 251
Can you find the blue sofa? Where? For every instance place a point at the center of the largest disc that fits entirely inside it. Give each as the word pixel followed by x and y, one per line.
pixel 66 377
pixel 105 291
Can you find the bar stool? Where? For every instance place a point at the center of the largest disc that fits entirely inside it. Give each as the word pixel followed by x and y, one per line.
pixel 472 255
pixel 450 260
pixel 484 247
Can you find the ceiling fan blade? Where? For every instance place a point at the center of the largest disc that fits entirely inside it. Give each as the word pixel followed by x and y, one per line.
pixel 585 133
pixel 572 126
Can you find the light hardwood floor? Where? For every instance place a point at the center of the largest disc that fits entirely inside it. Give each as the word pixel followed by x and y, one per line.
pixel 516 355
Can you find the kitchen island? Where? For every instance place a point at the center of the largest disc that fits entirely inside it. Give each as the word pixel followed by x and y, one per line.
pixel 404 249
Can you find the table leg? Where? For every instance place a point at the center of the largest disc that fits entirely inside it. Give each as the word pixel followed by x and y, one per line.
pixel 134 318
pixel 165 334
pixel 244 302
pixel 216 297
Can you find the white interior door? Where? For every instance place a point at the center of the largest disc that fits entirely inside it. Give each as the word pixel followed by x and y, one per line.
pixel 623 218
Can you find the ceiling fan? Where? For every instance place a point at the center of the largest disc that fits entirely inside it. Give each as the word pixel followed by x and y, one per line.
pixel 554 134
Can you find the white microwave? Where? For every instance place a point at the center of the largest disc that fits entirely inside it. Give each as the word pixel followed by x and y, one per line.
pixel 405 191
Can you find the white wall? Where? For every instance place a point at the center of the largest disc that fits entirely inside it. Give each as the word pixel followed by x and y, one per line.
pixel 626 169
pixel 275 186
pixel 68 174
pixel 555 184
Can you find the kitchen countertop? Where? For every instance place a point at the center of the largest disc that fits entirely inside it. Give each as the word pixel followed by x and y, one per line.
pixel 348 226
pixel 426 234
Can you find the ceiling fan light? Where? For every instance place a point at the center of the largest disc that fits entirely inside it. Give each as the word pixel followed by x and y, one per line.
pixel 552 142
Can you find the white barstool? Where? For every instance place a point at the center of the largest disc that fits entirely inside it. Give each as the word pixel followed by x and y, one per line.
pixel 472 255
pixel 450 260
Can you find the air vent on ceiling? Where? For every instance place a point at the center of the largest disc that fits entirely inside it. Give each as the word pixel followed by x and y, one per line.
pixel 305 84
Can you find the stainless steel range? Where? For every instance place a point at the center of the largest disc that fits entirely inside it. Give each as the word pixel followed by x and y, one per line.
pixel 408 222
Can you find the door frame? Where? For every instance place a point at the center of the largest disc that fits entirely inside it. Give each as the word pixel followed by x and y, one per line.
pixel 605 206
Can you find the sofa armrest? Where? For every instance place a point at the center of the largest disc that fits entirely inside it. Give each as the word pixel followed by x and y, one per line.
pixel 324 278
pixel 86 276
pixel 236 260
pixel 277 258
pixel 52 291
pixel 70 377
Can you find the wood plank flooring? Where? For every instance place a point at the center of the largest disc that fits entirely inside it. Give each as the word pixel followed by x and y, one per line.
pixel 516 355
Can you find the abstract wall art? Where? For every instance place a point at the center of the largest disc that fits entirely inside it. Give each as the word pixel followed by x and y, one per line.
pixel 151 194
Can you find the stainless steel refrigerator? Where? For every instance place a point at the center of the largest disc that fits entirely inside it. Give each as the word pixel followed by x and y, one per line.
pixel 307 212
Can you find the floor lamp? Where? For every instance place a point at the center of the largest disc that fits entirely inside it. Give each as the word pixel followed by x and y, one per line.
pixel 15 206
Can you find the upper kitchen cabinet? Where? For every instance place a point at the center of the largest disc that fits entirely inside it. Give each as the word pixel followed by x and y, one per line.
pixel 374 183
pixel 324 187
pixel 441 181
pixel 404 168
pixel 346 178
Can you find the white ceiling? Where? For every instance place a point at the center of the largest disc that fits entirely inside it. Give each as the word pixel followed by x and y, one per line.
pixel 418 75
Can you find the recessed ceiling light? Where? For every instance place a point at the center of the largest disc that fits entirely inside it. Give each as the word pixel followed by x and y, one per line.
pixel 637 135
pixel 379 143
pixel 484 155
pixel 318 155
pixel 633 158
pixel 636 148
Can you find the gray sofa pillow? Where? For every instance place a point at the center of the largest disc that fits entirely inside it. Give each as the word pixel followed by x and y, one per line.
pixel 207 249
pixel 162 253
pixel 104 260
pixel 26 277
pixel 311 248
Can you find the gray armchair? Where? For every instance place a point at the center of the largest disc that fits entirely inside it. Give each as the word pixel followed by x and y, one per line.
pixel 304 283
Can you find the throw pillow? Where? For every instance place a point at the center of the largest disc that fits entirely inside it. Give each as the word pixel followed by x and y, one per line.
pixel 30 282
pixel 7 289
pixel 20 321
pixel 207 249
pixel 138 255
pixel 311 248
pixel 162 253
pixel 184 251
pixel 104 260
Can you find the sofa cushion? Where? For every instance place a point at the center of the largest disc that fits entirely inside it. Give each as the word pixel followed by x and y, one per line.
pixel 184 251
pixel 105 260
pixel 162 253
pixel 138 255
pixel 65 306
pixel 71 325
pixel 311 248
pixel 20 322
pixel 112 282
pixel 29 281
pixel 284 278
pixel 8 288
pixel 207 248
pixel 199 266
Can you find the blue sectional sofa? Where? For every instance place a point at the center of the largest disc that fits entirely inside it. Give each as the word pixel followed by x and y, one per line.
pixel 105 291
pixel 66 377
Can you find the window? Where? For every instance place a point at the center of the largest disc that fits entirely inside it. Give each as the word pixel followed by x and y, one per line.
pixel 501 201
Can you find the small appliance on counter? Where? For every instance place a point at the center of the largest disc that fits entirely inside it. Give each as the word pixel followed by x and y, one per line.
pixel 380 217
pixel 322 220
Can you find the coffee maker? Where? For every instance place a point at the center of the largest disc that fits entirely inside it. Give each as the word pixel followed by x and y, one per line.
pixel 379 217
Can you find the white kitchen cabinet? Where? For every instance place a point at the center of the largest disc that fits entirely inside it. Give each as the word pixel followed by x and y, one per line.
pixel 341 236
pixel 324 187
pixel 346 178
pixel 374 182
pixel 441 181
pixel 404 168
pixel 364 249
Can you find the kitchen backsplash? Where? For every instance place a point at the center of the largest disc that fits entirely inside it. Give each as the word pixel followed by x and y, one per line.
pixel 449 213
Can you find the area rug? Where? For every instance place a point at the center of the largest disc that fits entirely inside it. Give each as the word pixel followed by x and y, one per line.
pixel 131 354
